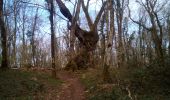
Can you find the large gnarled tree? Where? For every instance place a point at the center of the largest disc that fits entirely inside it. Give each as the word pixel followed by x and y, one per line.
pixel 88 39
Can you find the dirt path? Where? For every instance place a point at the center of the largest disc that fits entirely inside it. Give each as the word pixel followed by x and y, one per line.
pixel 71 89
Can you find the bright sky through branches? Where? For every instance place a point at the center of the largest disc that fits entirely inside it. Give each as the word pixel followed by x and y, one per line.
pixel 94 7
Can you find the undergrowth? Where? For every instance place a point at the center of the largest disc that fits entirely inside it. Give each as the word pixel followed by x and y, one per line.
pixel 144 83
pixel 97 90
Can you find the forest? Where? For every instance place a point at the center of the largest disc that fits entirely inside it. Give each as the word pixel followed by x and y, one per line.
pixel 84 50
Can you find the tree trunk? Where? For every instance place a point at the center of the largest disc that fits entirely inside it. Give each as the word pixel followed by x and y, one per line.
pixel 4 63
pixel 169 46
pixel 109 43
pixel 33 38
pixel 52 39
pixel 72 35
pixel 14 36
pixel 120 50
pixel 158 47
pixel 157 40
pixel 24 57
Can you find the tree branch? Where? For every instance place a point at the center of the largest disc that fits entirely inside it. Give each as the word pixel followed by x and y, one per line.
pixel 160 26
pixel 64 10
pixel 41 7
pixel 137 22
pixel 87 5
pixel 99 14
pixel 76 17
pixel 90 23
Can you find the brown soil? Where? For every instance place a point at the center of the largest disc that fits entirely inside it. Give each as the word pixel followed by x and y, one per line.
pixel 71 89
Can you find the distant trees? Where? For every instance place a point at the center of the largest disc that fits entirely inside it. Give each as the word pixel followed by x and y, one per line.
pixel 23 44
pixel 156 28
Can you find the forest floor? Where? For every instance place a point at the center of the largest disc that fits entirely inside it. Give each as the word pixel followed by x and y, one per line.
pixel 71 89
pixel 39 85
pixel 79 85
pixel 28 85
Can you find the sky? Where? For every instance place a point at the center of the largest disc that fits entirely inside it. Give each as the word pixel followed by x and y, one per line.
pixel 94 7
